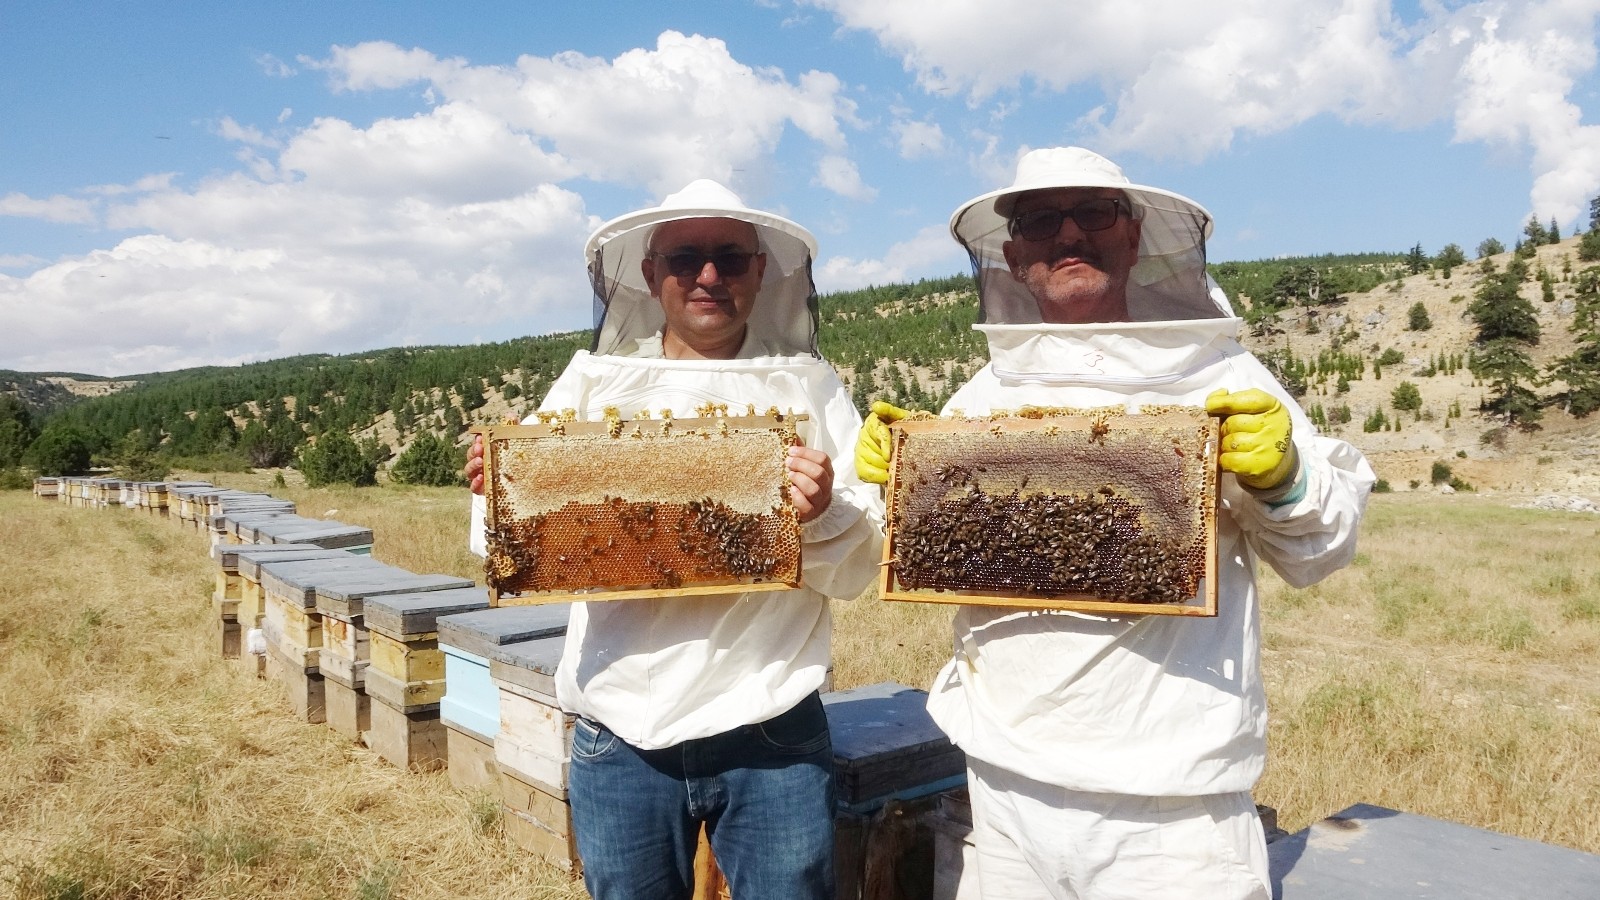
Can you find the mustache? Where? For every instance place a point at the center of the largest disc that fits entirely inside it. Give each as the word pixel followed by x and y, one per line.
pixel 1075 250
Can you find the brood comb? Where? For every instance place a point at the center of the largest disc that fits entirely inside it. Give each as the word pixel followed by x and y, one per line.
pixel 639 508
pixel 1089 510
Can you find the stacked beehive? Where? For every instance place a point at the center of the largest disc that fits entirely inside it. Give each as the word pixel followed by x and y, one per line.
pixel 890 764
pixel 46 487
pixel 405 678
pixel 470 708
pixel 533 749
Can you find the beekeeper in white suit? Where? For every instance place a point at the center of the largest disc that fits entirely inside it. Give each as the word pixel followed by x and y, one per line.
pixel 706 709
pixel 1113 756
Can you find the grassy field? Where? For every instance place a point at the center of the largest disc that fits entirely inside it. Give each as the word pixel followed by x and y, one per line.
pixel 1452 671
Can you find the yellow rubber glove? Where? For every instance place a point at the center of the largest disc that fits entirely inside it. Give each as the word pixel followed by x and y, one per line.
pixel 873 447
pixel 1255 437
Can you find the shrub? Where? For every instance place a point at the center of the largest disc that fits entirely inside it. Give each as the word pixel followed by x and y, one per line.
pixel 1441 472
pixel 335 459
pixel 15 480
pixel 1417 317
pixel 1381 486
pixel 59 450
pixel 430 460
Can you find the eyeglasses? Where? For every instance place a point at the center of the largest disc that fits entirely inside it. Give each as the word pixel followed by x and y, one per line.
pixel 1090 215
pixel 690 263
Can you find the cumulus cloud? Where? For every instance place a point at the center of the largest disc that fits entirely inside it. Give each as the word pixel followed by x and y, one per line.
pixel 452 224
pixel 1182 79
pixel 918 139
pixel 59 208
pixel 930 253
pixel 840 176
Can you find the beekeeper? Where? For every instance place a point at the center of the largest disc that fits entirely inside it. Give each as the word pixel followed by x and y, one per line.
pixel 706 709
pixel 1113 756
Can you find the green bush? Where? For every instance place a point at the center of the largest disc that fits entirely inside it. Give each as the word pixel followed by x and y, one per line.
pixel 15 480
pixel 1381 486
pixel 1441 472
pixel 335 459
pixel 430 460
pixel 59 450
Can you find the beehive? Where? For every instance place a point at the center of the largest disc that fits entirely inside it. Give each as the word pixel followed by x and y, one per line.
pixel 1090 510
pixel 644 507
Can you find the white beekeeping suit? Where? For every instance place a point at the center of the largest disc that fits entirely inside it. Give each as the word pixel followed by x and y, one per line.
pixel 1152 706
pixel 660 672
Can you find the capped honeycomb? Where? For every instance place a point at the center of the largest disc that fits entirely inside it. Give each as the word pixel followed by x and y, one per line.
pixel 1092 510
pixel 640 507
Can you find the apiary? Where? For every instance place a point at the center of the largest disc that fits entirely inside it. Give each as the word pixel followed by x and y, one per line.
pixel 639 508
pixel 405 672
pixel 1089 510
pixel 470 707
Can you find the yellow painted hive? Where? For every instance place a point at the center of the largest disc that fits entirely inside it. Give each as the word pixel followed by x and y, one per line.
pixel 1097 510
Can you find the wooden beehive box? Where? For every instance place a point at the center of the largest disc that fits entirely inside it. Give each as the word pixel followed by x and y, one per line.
pixel 470 707
pixel 1087 510
pixel 639 508
pixel 887 747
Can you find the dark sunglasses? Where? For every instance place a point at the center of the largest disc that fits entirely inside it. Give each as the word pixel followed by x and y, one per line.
pixel 690 263
pixel 1090 215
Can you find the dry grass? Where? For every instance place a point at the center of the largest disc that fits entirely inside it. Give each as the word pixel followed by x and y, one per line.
pixel 1451 672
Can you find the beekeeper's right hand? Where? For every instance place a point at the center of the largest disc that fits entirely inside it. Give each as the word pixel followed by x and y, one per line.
pixel 873 447
pixel 474 469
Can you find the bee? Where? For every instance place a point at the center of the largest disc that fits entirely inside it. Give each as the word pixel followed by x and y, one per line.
pixel 1098 429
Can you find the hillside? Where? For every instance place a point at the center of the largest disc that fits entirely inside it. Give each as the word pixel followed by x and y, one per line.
pixel 908 343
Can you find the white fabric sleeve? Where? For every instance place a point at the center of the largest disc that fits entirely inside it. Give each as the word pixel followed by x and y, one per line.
pixel 476 541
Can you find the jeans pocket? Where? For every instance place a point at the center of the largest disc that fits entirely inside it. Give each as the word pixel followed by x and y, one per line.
pixel 801 731
pixel 591 740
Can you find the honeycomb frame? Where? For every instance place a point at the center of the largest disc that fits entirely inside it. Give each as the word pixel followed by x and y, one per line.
pixel 639 508
pixel 1107 511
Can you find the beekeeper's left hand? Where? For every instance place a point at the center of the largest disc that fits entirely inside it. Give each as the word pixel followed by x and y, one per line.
pixel 1255 444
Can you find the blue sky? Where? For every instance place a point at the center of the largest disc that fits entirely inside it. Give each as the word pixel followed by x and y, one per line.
pixel 188 183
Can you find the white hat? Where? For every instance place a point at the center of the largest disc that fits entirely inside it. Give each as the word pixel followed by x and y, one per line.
pixel 785 314
pixel 1167 282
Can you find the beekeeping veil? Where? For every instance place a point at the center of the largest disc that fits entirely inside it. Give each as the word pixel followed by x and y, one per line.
pixel 1169 280
pixel 785 313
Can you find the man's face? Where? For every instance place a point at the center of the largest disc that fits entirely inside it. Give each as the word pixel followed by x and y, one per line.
pixel 1076 276
pixel 706 308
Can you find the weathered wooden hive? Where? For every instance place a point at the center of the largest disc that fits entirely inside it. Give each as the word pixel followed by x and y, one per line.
pixel 470 708
pixel 534 749
pixel 405 677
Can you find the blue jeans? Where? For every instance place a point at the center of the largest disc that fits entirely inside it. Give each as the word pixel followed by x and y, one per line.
pixel 764 791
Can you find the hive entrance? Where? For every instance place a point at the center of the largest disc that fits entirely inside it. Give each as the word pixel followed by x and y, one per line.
pixel 1091 510
pixel 639 508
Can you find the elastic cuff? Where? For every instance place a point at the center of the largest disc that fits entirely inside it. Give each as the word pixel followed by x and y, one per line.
pixel 1285 494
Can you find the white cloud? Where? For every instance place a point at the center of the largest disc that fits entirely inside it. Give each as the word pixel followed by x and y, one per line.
pixel 18 261
pixel 919 139
pixel 440 227
pixel 58 208
pixel 930 253
pixel 840 176
pixel 1183 79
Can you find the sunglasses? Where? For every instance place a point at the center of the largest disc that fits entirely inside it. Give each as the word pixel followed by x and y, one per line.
pixel 1090 215
pixel 690 263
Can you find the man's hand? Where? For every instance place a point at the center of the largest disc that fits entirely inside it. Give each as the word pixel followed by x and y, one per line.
pixel 873 447
pixel 474 469
pixel 811 476
pixel 1255 443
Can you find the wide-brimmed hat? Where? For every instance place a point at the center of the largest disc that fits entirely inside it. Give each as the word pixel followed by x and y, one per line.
pixel 1171 243
pixel 785 316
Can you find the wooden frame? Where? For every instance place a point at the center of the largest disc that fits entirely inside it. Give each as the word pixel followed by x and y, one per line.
pixel 1152 476
pixel 639 508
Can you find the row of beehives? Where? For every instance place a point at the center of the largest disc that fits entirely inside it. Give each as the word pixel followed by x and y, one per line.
pixel 421 670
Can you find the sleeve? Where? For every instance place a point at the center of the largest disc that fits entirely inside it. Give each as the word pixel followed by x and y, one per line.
pixel 1305 530
pixel 841 548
